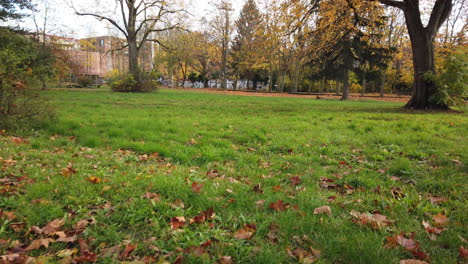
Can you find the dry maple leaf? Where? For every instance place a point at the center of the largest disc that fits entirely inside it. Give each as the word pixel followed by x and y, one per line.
pixel 197 187
pixel 86 256
pixel 323 210
pixel 225 260
pixel 376 221
pixel 246 232
pixel 278 206
pixel 432 231
pixel 440 220
pixel 50 228
pixel 127 251
pixel 37 244
pixel 177 222
pixel 94 179
pixel 412 261
pixel 295 180
pixel 463 252
pixel 152 196
pixel 68 171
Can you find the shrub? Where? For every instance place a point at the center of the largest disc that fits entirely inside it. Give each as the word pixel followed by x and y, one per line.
pixel 452 83
pixel 85 81
pixel 21 104
pixel 127 83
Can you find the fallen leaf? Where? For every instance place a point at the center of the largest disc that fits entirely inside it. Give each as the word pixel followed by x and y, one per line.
pixel 86 256
pixel 152 196
pixel 197 187
pixel 278 206
pixel 225 260
pixel 94 179
pixel 463 252
pixel 438 200
pixel 66 253
pixel 376 221
pixel 412 261
pixel 177 222
pixel 295 180
pixel 127 251
pixel 246 232
pixel 37 244
pixel 323 210
pixel 71 239
pixel 440 219
pixel 68 171
pixel 53 227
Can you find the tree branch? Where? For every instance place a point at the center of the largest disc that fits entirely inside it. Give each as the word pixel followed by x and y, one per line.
pixel 393 3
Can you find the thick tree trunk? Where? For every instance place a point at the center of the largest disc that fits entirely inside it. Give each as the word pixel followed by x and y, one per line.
pixel 423 60
pixel 133 61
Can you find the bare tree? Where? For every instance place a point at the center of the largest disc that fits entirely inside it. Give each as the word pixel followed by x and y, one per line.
pixel 222 28
pixel 137 20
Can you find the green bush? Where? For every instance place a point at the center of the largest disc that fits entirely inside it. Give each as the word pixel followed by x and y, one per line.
pixel 85 81
pixel 21 67
pixel 452 82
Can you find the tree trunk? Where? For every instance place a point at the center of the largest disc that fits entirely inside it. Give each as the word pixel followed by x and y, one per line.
pixel 133 61
pixel 345 86
pixel 423 60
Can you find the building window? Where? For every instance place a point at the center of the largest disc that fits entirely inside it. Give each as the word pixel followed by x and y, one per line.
pixel 101 43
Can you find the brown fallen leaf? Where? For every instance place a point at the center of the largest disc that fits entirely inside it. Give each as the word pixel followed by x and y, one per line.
pixel 16 258
pixel 440 220
pixel 86 256
pixel 197 187
pixel 71 239
pixel 127 251
pixel 38 243
pixel 323 210
pixel 225 260
pixel 246 232
pixel 51 227
pixel 376 221
pixel 93 180
pixel 278 206
pixel 432 231
pixel 177 222
pixel 463 252
pixel 152 196
pixel 412 261
pixel 295 180
pixel 68 171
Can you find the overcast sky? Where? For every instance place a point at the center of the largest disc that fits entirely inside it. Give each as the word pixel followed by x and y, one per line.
pixel 64 22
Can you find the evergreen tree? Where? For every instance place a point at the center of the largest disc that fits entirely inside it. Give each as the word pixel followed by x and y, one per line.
pixel 9 8
pixel 247 57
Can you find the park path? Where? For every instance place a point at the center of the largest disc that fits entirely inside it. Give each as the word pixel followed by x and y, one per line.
pixel 375 97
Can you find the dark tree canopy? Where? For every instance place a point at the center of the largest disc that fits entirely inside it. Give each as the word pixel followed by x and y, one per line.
pixel 9 8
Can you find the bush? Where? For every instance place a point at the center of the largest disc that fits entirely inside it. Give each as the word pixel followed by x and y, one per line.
pixel 127 83
pixel 21 105
pixel 85 81
pixel 452 83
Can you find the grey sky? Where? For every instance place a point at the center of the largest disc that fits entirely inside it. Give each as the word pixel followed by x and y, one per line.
pixel 64 22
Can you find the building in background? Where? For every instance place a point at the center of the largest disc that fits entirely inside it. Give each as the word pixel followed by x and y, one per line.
pixel 100 57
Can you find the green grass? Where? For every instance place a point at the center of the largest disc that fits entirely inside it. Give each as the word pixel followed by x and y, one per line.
pixel 248 141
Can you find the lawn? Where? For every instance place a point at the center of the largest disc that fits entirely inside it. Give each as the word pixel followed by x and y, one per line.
pixel 185 177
